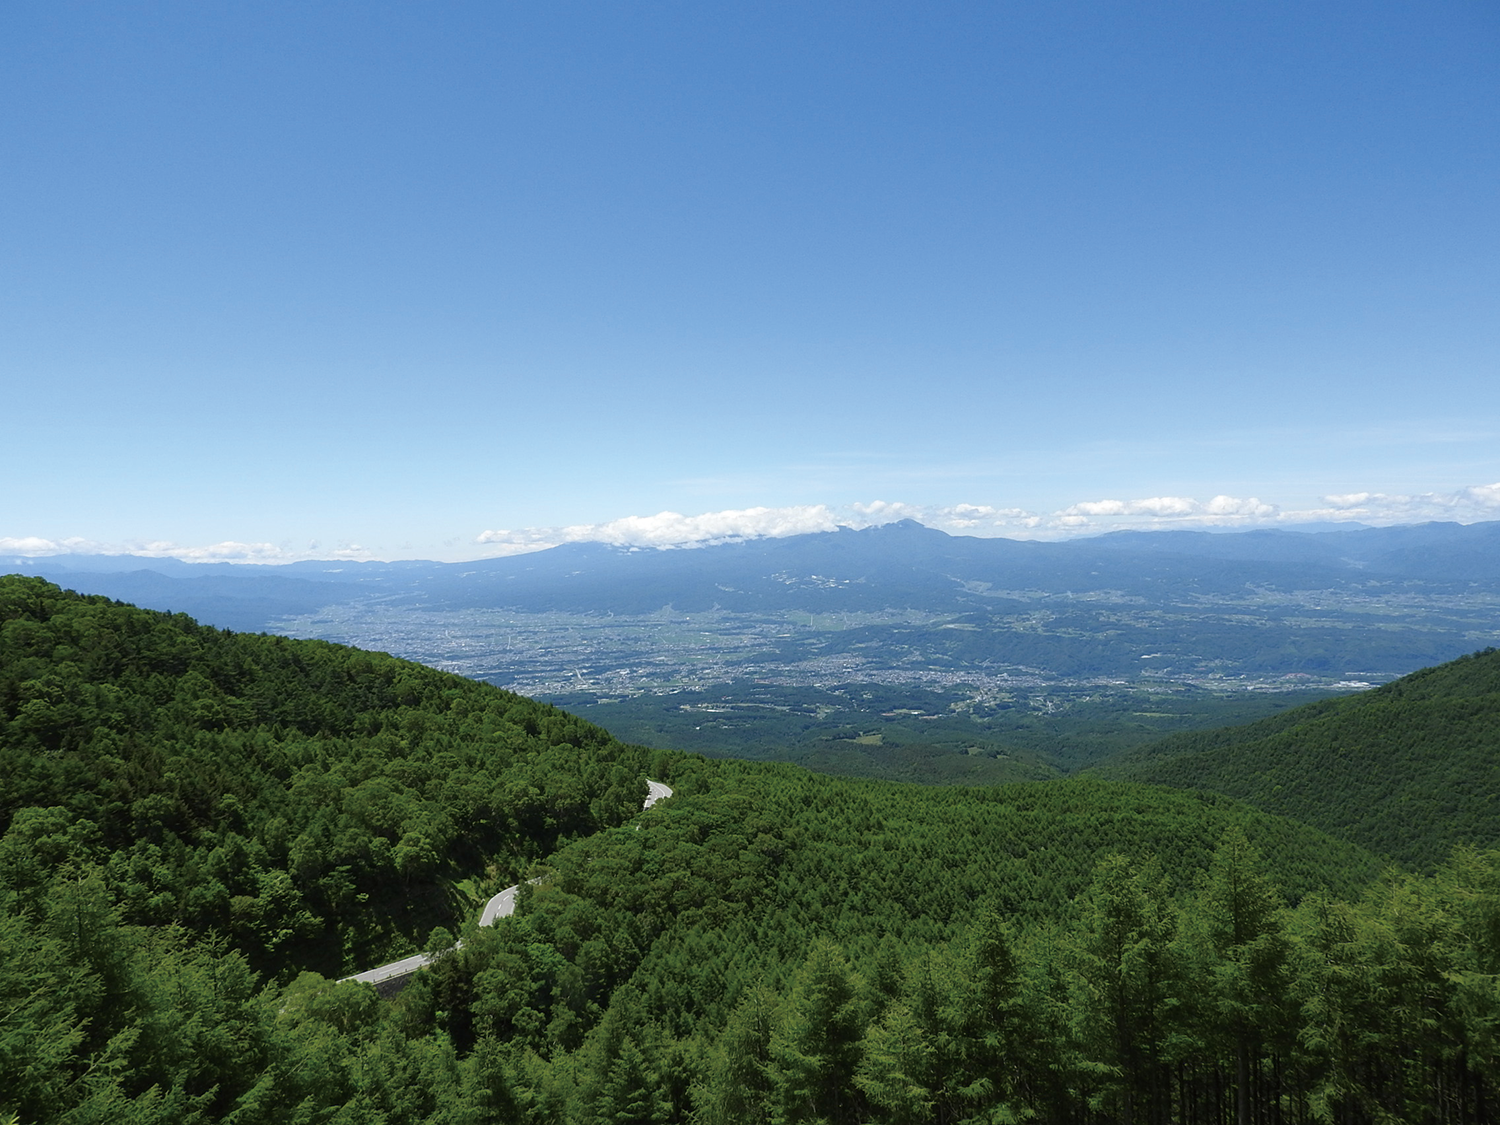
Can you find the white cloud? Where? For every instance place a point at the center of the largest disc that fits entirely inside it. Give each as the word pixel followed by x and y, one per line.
pixel 1233 506
pixel 228 551
pixel 1158 510
pixel 31 545
pixel 673 529
pixel 1486 496
pixel 1096 508
pixel 963 518
pixel 886 511
pixel 1468 504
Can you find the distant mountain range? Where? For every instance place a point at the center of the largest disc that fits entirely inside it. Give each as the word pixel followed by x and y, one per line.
pixel 896 566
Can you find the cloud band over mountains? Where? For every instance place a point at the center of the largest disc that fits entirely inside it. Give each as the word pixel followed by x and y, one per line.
pixel 673 529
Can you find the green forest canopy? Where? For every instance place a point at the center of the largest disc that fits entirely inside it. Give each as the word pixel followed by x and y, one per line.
pixel 200 828
pixel 1408 770
pixel 312 803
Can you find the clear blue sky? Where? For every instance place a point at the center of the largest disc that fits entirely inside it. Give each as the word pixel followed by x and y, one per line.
pixel 395 275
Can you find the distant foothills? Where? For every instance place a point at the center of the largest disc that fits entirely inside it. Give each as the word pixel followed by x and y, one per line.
pixel 898 651
pixel 898 565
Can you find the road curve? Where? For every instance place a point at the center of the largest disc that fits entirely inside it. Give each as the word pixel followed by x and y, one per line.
pixel 503 905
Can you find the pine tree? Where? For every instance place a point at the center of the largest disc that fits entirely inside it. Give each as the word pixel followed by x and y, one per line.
pixel 895 1070
pixel 632 1093
pixel 986 1012
pixel 1239 954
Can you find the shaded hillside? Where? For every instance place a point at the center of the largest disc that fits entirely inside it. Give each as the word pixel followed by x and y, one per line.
pixel 312 802
pixel 1407 770
pixel 871 862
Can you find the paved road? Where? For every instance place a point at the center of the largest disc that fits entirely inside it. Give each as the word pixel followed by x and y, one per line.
pixel 503 905
pixel 403 968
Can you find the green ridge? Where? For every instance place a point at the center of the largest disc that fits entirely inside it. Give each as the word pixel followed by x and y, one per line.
pixel 1407 770
pixel 313 803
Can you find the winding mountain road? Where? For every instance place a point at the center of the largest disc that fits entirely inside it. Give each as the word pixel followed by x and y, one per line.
pixel 503 905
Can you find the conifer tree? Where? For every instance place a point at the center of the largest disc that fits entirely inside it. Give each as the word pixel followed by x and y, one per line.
pixel 1239 957
pixel 631 1094
pixel 895 1068
pixel 740 1084
pixel 815 1044
pixel 987 1014
pixel 1124 987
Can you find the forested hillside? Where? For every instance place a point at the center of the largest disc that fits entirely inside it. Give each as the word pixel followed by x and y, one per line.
pixel 314 804
pixel 768 946
pixel 1061 952
pixel 1407 770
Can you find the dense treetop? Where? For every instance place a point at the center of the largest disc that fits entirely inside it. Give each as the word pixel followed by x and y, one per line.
pixel 1407 770
pixel 309 800
pixel 201 828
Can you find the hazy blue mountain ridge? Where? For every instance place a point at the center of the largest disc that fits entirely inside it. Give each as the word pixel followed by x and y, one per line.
pixel 901 565
pixel 1435 552
pixel 897 642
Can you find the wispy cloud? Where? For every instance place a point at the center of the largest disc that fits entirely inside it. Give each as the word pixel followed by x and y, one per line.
pixel 32 546
pixel 1463 505
pixel 1476 502
pixel 959 519
pixel 1087 517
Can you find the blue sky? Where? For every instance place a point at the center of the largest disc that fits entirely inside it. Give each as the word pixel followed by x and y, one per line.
pixel 444 280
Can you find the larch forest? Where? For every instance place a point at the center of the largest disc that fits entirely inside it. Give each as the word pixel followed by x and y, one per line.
pixel 1295 921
